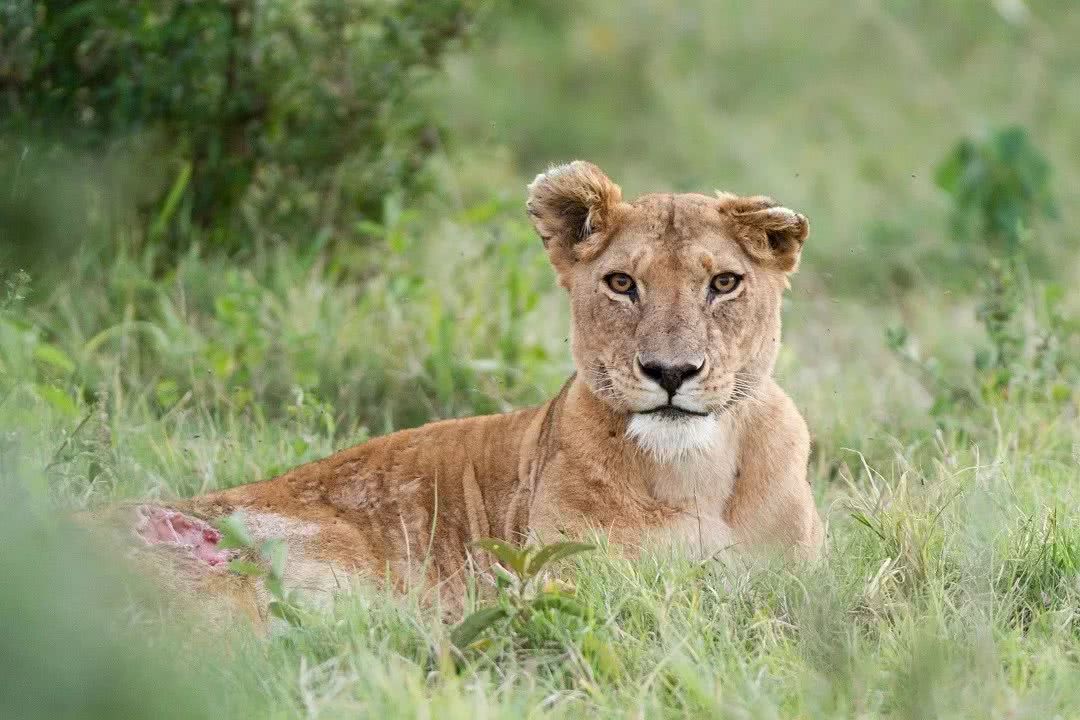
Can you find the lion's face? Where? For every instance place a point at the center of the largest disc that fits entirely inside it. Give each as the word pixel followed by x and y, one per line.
pixel 672 317
pixel 675 298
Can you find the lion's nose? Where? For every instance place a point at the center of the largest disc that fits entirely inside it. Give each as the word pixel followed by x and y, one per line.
pixel 669 377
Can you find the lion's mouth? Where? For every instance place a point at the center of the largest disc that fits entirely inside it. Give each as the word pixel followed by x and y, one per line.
pixel 673 412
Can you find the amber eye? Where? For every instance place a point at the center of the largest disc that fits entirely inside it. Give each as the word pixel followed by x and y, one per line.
pixel 725 283
pixel 621 283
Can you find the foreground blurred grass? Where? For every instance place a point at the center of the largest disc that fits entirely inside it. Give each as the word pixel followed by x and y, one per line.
pixel 951 582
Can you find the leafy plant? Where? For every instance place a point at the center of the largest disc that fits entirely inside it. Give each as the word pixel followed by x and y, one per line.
pixel 269 564
pixel 1030 351
pixel 999 185
pixel 286 118
pixel 519 598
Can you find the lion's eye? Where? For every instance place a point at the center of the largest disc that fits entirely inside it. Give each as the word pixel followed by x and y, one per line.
pixel 621 283
pixel 725 283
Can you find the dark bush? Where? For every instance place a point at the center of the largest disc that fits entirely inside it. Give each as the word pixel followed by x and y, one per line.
pixel 241 118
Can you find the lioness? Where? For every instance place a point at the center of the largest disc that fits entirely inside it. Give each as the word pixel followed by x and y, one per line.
pixel 672 429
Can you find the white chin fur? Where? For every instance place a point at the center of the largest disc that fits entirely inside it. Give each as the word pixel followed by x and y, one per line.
pixel 668 439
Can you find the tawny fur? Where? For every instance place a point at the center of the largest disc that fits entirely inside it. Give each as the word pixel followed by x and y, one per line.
pixel 405 507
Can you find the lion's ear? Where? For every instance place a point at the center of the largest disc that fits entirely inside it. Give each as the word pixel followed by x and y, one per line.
pixel 772 233
pixel 571 202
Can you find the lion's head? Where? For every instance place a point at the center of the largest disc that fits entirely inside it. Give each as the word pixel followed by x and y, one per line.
pixel 675 297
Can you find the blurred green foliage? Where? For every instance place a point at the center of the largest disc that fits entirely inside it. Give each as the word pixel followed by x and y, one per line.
pixel 277 120
pixel 72 642
pixel 1030 352
pixel 841 112
pixel 143 357
pixel 999 186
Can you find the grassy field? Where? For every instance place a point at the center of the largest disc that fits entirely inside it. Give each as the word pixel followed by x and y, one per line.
pixel 939 371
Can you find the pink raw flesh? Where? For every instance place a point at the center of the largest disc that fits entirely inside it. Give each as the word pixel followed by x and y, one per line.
pixel 160 526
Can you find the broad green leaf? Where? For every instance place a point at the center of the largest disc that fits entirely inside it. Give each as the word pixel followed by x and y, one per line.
pixel 55 357
pixel 58 399
pixel 275 586
pixel 502 577
pixel 276 551
pixel 167 393
pixel 510 556
pixel 952 169
pixel 234 534
pixel 555 552
pixel 603 655
pixel 286 612
pixel 245 567
pixel 476 623
pixel 563 604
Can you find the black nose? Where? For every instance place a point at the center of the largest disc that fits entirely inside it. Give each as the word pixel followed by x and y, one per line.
pixel 670 377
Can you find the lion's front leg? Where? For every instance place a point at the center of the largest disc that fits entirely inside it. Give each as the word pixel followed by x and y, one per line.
pixel 772 506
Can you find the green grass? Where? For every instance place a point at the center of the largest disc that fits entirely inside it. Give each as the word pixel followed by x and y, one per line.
pixel 950 584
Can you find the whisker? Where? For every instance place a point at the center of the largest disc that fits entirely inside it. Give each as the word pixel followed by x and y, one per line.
pixel 747 388
pixel 601 380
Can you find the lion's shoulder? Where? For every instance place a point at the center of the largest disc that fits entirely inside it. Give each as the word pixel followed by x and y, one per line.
pixel 773 423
